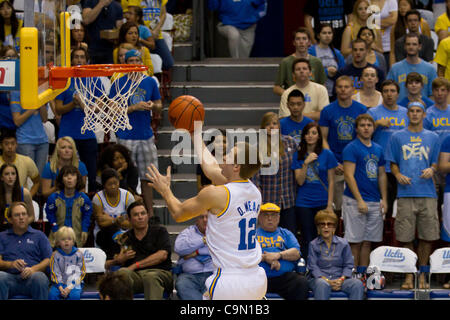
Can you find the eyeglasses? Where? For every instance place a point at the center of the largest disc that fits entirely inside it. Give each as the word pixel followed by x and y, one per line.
pixel 327 224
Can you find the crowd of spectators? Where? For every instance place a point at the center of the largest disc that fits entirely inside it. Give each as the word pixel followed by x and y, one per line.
pixel 363 122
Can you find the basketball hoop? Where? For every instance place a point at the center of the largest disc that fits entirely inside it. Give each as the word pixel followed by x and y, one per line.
pixel 102 112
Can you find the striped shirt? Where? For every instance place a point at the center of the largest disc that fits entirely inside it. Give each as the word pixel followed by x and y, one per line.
pixel 280 188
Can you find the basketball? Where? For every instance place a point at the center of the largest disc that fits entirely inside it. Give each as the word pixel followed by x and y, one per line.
pixel 184 110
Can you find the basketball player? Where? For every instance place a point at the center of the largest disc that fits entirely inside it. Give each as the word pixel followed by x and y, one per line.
pixel 232 214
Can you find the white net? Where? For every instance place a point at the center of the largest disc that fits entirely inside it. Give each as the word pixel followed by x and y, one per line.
pixel 105 113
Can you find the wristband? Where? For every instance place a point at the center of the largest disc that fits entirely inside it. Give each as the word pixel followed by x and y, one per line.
pixel 342 278
pixel 196 251
pixel 137 265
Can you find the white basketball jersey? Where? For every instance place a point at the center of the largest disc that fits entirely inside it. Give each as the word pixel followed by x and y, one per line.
pixel 113 209
pixel 231 235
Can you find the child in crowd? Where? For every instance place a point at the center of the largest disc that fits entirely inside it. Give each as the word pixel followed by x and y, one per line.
pixel 67 267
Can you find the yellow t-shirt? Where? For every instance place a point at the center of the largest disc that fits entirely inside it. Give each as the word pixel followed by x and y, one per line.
pixel 151 11
pixel 442 56
pixel 9 39
pixel 442 23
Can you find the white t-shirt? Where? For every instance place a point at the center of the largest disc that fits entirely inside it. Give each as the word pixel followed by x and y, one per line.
pixel 316 98
pixel 388 7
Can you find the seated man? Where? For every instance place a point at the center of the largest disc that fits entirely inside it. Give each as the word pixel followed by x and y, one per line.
pixel 147 262
pixel 24 256
pixel 195 261
pixel 25 165
pixel 281 251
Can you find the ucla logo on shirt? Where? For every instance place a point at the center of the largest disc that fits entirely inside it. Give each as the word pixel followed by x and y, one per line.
pixel 440 122
pixel 311 170
pixel 345 129
pixel 372 168
pixel 138 96
pixel 394 121
pixel 307 98
pixel 402 78
pixel 271 242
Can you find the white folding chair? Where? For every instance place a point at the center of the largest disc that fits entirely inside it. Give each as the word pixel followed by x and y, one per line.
pixel 94 259
pixel 395 259
pixel 439 263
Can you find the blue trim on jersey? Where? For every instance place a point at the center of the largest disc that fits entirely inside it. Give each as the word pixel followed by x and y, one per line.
pixel 214 283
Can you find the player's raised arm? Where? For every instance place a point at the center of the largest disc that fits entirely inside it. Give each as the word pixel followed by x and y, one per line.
pixel 209 163
pixel 211 198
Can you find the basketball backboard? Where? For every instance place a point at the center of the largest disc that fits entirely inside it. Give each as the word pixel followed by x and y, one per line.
pixel 44 43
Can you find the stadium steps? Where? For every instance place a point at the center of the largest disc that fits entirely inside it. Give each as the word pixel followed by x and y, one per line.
pixel 235 93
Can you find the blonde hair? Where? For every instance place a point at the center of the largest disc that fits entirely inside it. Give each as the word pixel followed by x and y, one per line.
pixel 323 215
pixel 55 156
pixel 267 117
pixel 64 232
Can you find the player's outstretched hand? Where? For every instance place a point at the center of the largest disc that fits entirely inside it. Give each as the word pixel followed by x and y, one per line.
pixel 157 181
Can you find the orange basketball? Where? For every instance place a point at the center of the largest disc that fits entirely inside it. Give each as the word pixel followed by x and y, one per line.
pixel 184 110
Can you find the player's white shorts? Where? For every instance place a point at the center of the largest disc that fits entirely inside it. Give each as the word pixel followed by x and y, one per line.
pixel 236 284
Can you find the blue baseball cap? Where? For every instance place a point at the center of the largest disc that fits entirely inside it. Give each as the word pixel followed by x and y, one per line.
pixel 133 53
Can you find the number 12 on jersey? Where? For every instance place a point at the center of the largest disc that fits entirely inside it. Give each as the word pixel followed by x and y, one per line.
pixel 248 234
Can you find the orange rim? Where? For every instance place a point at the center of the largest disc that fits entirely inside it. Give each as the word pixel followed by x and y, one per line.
pixel 58 75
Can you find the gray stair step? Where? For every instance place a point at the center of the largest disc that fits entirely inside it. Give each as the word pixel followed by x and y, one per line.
pixel 219 114
pixel 182 51
pixel 214 69
pixel 226 92
pixel 160 208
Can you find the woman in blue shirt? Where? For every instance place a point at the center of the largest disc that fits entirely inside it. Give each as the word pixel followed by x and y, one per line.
pixel 330 261
pixel 314 172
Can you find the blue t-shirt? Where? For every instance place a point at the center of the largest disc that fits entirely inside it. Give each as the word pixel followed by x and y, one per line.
pixel 404 102
pixel 414 152
pixel 445 147
pixel 139 120
pixel 341 125
pixel 367 161
pixel 312 194
pixel 398 119
pixel 32 130
pixel 144 32
pixel 293 128
pixel 72 121
pixel 6 120
pixel 438 121
pixel 400 70
pixel 32 246
pixel 279 240
pixel 47 173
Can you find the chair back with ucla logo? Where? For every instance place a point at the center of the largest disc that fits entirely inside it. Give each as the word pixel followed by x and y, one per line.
pixel 94 259
pixel 440 263
pixel 395 259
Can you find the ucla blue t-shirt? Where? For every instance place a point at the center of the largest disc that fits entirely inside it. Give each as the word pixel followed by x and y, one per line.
pixel 47 172
pixel 438 121
pixel 312 194
pixel 293 128
pixel 279 240
pixel 445 147
pixel 404 102
pixel 6 120
pixel 72 121
pixel 400 70
pixel 367 161
pixel 398 120
pixel 414 152
pixel 32 130
pixel 341 125
pixel 139 120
